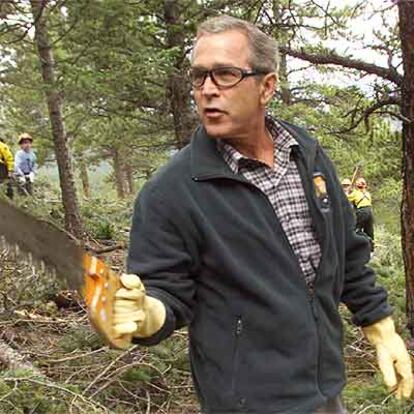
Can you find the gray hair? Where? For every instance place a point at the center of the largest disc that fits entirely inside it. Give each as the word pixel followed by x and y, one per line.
pixel 263 48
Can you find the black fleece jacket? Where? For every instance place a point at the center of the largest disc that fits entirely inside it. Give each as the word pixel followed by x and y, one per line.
pixel 208 244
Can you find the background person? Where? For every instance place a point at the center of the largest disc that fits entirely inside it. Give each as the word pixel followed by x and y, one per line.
pixel 346 186
pixel 361 199
pixel 6 167
pixel 25 163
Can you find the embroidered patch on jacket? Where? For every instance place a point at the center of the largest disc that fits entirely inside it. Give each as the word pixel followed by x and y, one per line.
pixel 319 183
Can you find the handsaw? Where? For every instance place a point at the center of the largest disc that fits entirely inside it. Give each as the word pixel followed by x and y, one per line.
pixel 43 243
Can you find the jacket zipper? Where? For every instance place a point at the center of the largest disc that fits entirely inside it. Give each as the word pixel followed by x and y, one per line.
pixel 235 367
pixel 321 230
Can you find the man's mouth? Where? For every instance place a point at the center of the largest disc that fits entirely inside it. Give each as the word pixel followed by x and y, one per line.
pixel 213 112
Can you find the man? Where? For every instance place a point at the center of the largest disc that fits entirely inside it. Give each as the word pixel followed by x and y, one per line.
pixel 361 200
pixel 25 164
pixel 246 237
pixel 346 185
pixel 6 167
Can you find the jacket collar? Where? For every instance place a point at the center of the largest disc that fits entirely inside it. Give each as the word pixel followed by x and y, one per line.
pixel 207 162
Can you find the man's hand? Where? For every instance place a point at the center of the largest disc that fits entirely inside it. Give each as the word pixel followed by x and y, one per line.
pixel 393 358
pixel 31 176
pixel 134 312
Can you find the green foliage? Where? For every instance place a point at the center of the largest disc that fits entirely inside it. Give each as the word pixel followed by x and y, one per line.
pixel 373 397
pixel 107 219
pixel 28 398
pixel 80 338
pixel 27 394
pixel 142 374
pixel 104 230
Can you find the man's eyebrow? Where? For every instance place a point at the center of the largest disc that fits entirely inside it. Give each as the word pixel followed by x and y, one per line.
pixel 214 66
pixel 199 67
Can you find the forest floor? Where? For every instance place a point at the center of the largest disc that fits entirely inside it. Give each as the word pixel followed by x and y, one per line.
pixel 50 328
pixel 72 371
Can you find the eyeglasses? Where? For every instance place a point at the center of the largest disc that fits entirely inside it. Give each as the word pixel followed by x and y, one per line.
pixel 222 77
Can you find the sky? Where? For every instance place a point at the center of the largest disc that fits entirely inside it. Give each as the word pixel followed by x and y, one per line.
pixel 364 28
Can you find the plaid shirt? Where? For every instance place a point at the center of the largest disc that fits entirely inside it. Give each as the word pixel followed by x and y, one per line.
pixel 283 187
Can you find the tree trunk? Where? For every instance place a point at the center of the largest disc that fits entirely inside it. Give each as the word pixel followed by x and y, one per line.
pixel 73 221
pixel 178 87
pixel 406 26
pixel 84 176
pixel 129 176
pixel 118 173
pixel 279 16
pixel 286 94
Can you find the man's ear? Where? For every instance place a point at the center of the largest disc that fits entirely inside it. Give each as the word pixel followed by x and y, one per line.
pixel 268 87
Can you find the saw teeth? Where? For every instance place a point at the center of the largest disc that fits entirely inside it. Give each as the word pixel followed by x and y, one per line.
pixel 27 258
pixel 30 259
pixel 43 266
pixel 4 246
pixel 15 251
pixel 24 258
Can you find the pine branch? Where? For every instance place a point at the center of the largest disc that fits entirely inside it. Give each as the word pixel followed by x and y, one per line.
pixel 346 62
pixel 370 111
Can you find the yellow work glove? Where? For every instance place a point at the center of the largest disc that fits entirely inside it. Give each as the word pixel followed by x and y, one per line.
pixel 136 313
pixel 393 358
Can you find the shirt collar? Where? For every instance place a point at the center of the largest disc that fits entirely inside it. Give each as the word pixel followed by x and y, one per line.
pixel 282 139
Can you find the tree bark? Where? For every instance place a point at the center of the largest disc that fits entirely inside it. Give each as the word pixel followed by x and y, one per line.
pixel 178 88
pixel 279 15
pixel 118 173
pixel 84 176
pixel 129 176
pixel 73 221
pixel 406 27
pixel 285 92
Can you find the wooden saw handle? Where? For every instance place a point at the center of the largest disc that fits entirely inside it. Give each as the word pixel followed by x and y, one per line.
pixel 101 284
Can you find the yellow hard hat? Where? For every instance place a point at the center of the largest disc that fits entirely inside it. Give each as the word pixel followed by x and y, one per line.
pixel 24 136
pixel 360 182
pixel 346 181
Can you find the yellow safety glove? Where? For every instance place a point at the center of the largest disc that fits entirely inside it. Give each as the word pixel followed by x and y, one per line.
pixel 393 358
pixel 136 313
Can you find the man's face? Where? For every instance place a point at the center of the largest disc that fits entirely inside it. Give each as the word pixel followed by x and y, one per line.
pixel 229 112
pixel 26 144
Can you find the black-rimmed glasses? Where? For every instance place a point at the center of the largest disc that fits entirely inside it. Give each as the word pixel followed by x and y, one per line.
pixel 223 77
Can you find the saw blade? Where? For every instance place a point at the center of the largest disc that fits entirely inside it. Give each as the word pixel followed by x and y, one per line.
pixel 47 244
pixel 43 242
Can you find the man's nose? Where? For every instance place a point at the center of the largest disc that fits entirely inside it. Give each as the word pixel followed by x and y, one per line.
pixel 209 87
